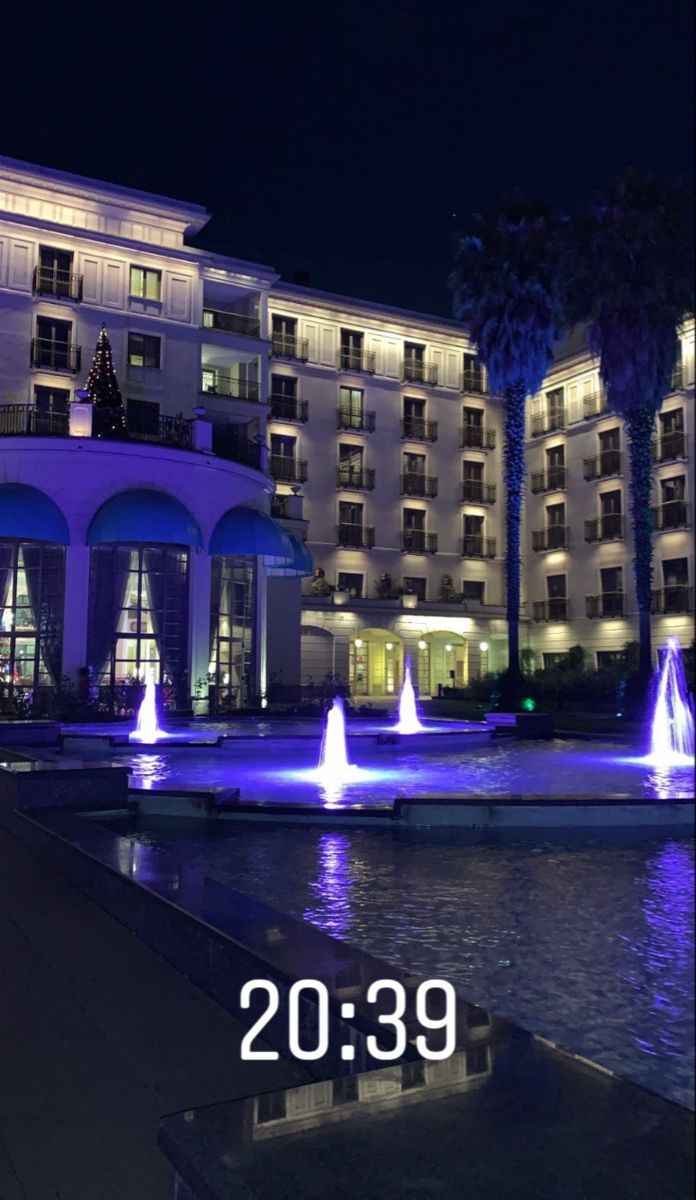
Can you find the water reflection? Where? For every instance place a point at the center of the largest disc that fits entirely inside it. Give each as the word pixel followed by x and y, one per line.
pixel 332 888
pixel 150 769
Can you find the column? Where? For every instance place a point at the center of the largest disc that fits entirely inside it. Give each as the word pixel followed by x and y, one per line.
pixel 261 632
pixel 76 610
pixel 199 626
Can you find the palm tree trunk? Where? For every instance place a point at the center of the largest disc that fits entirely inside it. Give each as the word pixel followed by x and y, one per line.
pixel 640 430
pixel 515 397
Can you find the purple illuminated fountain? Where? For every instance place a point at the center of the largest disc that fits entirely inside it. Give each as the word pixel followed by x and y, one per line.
pixel 672 720
pixel 147 727
pixel 409 721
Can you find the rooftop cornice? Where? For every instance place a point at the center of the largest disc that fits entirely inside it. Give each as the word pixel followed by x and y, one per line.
pixel 351 304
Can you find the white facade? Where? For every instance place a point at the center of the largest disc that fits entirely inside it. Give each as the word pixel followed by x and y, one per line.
pixel 384 445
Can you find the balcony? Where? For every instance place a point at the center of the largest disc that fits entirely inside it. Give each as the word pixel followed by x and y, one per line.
pixel 361 361
pixel 475 491
pixel 669 447
pixel 288 408
pixel 225 384
pixel 415 484
pixel 355 537
pixel 477 437
pixel 231 322
pixel 287 469
pixel 414 370
pixel 417 541
pixel 552 480
pixel 286 345
pixel 231 442
pixel 476 546
pixel 608 604
pixel 592 406
pixel 670 515
pixel 554 537
pixel 358 422
pixel 602 465
pixel 473 383
pixel 675 598
pixel 55 356
pixel 605 529
pixel 557 609
pixel 23 419
pixel 548 424
pixel 63 284
pixel 161 430
pixel 417 429
pixel 356 479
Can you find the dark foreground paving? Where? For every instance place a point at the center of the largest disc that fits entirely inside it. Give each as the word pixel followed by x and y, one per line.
pixel 98 1038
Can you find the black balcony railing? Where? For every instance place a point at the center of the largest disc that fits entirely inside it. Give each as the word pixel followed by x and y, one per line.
pixel 417 429
pixel 592 406
pixel 286 345
pixel 476 546
pixel 161 430
pixel 477 437
pixel 670 446
pixel 414 370
pixel 355 537
pixel 27 419
pixel 288 469
pixel 551 480
pixel 602 465
pixel 473 383
pixel 554 537
pixel 231 322
pixel 362 361
pixel 548 424
pixel 675 598
pixel 359 479
pixel 55 356
pixel 289 408
pixel 280 507
pixel 415 484
pixel 556 609
pixel 475 491
pixel 605 529
pixel 417 541
pixel 224 384
pixel 607 604
pixel 231 442
pixel 673 514
pixel 359 422
pixel 65 285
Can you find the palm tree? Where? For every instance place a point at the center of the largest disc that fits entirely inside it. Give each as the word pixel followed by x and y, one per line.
pixel 629 274
pixel 506 291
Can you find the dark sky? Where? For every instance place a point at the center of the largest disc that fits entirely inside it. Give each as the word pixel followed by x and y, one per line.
pixel 340 138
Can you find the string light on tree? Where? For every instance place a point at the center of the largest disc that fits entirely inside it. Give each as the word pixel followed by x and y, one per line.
pixel 103 390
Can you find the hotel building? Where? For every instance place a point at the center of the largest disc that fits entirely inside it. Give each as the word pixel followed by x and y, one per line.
pixel 307 484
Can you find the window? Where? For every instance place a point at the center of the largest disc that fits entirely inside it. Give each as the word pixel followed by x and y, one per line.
pixel 271 1107
pixel 415 585
pixel 144 350
pixel 555 515
pixel 232 600
pixel 673 496
pixel 611 582
pixel 473 374
pixel 414 518
pixel 350 407
pixel 52 400
pixel 610 439
pixel 473 590
pixel 473 417
pixel 32 581
pixel 349 582
pixel 53 345
pixel 555 409
pixel 552 660
pixel 556 597
pixel 412 1076
pixel 350 523
pixel 344 1090
pixel 143 417
pixel 675 575
pixel 414 362
pixel 473 526
pixel 146 283
pixel 54 276
pixel 610 503
pixel 606 659
pixel 284 335
pixel 351 354
pixel 350 465
pixel 672 421
pixel 675 571
pixel 283 446
pixel 284 385
pixel 472 481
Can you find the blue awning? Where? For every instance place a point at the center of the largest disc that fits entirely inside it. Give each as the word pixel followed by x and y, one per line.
pixel 30 515
pixel 246 531
pixel 302 561
pixel 144 515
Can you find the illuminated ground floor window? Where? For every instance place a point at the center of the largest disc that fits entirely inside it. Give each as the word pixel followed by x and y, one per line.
pixel 32 585
pixel 231 668
pixel 138 617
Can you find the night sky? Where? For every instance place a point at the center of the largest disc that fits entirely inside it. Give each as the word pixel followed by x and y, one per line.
pixel 340 139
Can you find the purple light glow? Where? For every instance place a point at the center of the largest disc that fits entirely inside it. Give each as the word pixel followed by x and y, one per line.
pixel 334 770
pixel 147 728
pixel 672 721
pixel 408 710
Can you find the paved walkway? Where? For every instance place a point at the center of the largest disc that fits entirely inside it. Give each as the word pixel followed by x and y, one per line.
pixel 99 1038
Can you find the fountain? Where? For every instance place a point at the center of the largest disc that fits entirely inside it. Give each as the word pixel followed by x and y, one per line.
pixel 408 710
pixel 333 766
pixel 147 729
pixel 672 721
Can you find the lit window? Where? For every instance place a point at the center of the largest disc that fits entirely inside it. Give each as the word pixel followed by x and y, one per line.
pixel 143 350
pixel 145 283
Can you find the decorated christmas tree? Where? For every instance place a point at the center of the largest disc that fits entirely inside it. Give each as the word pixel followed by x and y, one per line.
pixel 103 390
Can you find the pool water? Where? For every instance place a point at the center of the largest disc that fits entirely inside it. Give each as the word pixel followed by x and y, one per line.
pixel 281 770
pixel 587 940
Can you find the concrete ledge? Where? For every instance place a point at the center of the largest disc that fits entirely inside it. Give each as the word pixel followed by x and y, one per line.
pixel 63 783
pixel 520 813
pixel 29 733
pixel 523 725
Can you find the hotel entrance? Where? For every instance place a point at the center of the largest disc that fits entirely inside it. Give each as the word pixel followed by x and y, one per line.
pixel 376 663
pixel 443 661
